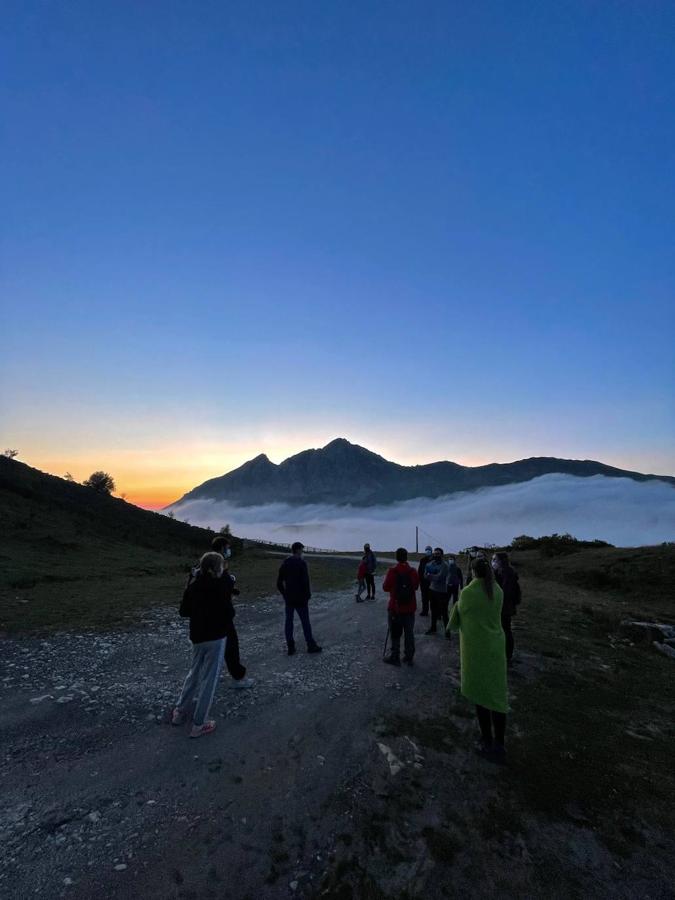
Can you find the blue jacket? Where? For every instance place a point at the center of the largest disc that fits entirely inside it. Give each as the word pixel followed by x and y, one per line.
pixel 293 581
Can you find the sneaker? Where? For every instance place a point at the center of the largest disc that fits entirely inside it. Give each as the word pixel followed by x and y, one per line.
pixel 291 649
pixel 314 648
pixel 243 683
pixel 392 660
pixel 206 728
pixel 431 631
pixel 177 717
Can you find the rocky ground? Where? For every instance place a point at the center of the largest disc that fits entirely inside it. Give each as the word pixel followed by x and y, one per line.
pixel 334 776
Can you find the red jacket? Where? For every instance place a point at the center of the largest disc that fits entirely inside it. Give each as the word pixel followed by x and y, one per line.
pixel 389 584
pixel 361 573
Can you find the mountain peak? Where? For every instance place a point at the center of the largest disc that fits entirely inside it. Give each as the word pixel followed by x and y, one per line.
pixel 345 473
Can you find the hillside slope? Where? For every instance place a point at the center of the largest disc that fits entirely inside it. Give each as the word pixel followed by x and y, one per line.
pixel 344 473
pixel 72 558
pixel 65 548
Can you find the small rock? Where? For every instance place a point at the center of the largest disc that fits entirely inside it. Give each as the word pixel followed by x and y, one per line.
pixel 120 867
pixel 293 885
pixel 94 816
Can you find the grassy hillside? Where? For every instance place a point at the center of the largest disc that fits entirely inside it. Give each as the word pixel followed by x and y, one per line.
pixel 70 557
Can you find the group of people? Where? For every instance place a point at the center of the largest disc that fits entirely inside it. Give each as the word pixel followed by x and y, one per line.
pixel 480 612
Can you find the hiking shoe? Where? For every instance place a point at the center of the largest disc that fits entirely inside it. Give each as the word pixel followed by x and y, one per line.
pixel 314 648
pixel 291 649
pixel 177 717
pixel 392 661
pixel 484 749
pixel 243 683
pixel 499 754
pixel 206 728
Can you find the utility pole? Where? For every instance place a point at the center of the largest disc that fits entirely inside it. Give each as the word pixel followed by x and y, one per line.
pixel 417 539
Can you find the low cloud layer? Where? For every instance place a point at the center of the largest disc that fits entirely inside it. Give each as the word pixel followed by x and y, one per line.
pixel 618 510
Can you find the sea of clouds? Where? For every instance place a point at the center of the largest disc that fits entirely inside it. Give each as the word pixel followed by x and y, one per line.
pixel 619 510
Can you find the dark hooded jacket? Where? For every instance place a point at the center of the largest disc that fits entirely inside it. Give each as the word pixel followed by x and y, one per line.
pixel 207 602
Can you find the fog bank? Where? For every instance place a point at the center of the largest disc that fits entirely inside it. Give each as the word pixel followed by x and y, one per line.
pixel 618 510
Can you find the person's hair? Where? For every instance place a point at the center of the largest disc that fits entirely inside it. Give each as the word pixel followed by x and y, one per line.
pixel 483 570
pixel 366 546
pixel 438 550
pixel 502 557
pixel 401 555
pixel 212 564
pixel 219 543
pixel 297 547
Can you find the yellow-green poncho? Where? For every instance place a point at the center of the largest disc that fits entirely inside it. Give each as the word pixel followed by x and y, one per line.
pixel 482 645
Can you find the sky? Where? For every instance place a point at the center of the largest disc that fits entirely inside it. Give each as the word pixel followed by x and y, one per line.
pixel 441 230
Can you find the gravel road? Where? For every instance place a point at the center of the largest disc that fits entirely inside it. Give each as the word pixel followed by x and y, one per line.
pixel 101 797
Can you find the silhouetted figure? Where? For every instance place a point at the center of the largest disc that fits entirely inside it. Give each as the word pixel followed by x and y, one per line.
pixel 401 582
pixel 370 562
pixel 507 578
pixel 424 584
pixel 293 584
pixel 436 573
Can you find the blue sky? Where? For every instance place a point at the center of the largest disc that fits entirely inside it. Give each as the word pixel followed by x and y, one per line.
pixel 443 230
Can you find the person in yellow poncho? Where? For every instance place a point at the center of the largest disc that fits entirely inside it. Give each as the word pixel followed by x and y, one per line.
pixel 477 617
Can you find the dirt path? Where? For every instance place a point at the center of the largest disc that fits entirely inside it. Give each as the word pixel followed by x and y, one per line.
pixel 101 796
pixel 336 776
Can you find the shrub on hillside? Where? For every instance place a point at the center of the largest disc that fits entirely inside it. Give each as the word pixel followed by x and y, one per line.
pixel 554 544
pixel 101 482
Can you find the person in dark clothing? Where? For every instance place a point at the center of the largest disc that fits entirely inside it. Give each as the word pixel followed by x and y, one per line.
pixel 401 582
pixel 370 563
pixel 507 579
pixel 437 574
pixel 455 581
pixel 293 585
pixel 221 544
pixel 207 602
pixel 424 583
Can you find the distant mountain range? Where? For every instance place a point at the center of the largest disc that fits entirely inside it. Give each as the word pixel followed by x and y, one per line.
pixel 343 473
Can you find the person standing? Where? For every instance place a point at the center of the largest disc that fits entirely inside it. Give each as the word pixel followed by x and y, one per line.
pixel 207 602
pixel 424 584
pixel 360 581
pixel 401 583
pixel 437 574
pixel 233 662
pixel 370 562
pixel 455 581
pixel 477 618
pixel 293 585
pixel 507 578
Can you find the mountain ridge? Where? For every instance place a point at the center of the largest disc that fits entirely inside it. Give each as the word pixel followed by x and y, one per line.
pixel 342 473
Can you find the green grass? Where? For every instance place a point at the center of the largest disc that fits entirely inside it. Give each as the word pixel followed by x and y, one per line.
pixel 72 558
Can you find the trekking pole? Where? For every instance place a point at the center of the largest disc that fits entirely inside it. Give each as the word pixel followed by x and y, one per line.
pixel 386 641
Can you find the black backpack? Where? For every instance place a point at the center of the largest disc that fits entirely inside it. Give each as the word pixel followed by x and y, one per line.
pixel 405 592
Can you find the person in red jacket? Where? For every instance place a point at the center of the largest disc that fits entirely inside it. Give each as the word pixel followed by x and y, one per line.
pixel 401 582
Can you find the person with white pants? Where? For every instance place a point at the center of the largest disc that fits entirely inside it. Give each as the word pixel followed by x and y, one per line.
pixel 200 685
pixel 207 602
